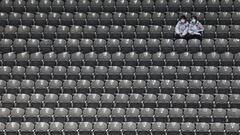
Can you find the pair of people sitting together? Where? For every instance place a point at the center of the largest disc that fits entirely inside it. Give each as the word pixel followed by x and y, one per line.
pixel 186 30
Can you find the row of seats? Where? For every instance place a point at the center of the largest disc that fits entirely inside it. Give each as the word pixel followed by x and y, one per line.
pixel 219 45
pixel 118 128
pixel 121 100
pixel 119 5
pixel 119 59
pixel 115 18
pixel 119 115
pixel 115 72
pixel 113 31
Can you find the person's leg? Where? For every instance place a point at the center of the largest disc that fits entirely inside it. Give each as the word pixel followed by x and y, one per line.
pixel 177 36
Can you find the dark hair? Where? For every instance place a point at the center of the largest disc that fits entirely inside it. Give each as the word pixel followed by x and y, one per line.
pixel 194 17
pixel 183 17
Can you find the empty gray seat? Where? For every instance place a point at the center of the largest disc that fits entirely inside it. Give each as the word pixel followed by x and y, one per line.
pixel 12 128
pixel 83 6
pixel 200 5
pixel 41 128
pixel 75 114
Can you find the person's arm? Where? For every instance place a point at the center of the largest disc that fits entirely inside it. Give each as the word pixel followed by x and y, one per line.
pixel 200 27
pixel 177 31
pixel 186 30
pixel 190 29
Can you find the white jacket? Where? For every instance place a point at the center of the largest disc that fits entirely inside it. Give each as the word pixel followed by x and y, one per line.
pixel 196 28
pixel 181 28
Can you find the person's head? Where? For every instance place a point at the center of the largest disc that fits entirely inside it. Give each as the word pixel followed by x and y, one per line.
pixel 194 20
pixel 183 19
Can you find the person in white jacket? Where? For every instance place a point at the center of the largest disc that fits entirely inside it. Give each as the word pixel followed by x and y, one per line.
pixel 195 29
pixel 181 29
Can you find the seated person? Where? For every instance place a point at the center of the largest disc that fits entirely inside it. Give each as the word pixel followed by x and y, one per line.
pixel 195 29
pixel 181 29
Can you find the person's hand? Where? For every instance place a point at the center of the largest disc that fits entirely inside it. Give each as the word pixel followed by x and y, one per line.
pixel 181 35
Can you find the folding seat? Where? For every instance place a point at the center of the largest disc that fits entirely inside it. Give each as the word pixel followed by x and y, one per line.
pixel 233 115
pixel 135 100
pixel 128 72
pixel 134 5
pixel 83 86
pixel 158 18
pixel 102 31
pixel 46 114
pixel 202 128
pixel 125 86
pixel 174 5
pixel 99 45
pixel 181 86
pixel 31 6
pixel 9 59
pixel 17 114
pixel 57 6
pixel 158 128
pixel 226 5
pixel 79 19
pixel 18 72
pixel 75 114
pixel 63 59
pixel 70 6
pixel 161 114
pixel 145 18
pixel 83 5
pixel 114 128
pixel 153 86
pixel 178 101
pixel 223 86
pixel 204 114
pixel 23 31
pixel 209 31
pixel 56 128
pixel 100 72
pixel 107 100
pixel 13 86
pixel 3 18
pixel 32 45
pixel 50 100
pixel 167 86
pixel 103 114
pixel 225 18
pixel 50 59
pixel 180 45
pixel 234 31
pixel 131 59
pixel 192 100
pixel 199 59
pixel 36 31
pixel 104 59
pixel 235 18
pixel 231 128
pixel 65 100
pixel 113 45
pixel 92 19
pixel 73 45
pixel 121 100
pixel 31 114
pixel 19 45
pixel 200 5
pixel 190 114
pixel 111 86
pixel 235 5
pixel 173 128
pixel 22 100
pixel 67 18
pixel 6 6
pixel 172 59
pixel 225 73
pixel 14 18
pixel 55 86
pixel 168 31
pixel 114 71
pixel 127 45
pixel 89 114
pixel 187 5
pixel 5 113
pixel 222 31
pixel 41 86
pixel 141 32
pixel 213 59
pixel 27 128
pixel 5 72
pixel 183 72
pixel 169 72
pixel 6 45
pixel 147 5
pixel 70 128
pixel 171 18
pixel 45 72
pixel 96 6
pixel 44 6
pixel 69 86
pixel 234 86
pixel 143 128
pixel 236 59
pixel 10 31
pixel 164 100
pixel 227 59
pixel 46 45
pixel 73 72
pixel 211 73
pixel 195 86
pixel 209 86
pixel 49 32
pixel 23 59
pixel 41 128
pixel 219 115
pixel 59 72
pixel 115 31
pixel 118 18
pixel 100 128
pixel 155 31
pixel 194 45
pixel 86 45
pixel 93 100
pixel 87 72
pixel 37 100
pixel 141 72
pixel 213 6
pixel 62 31
pixel 2 86
pixel 153 45
pixel 129 31
pixel 77 59
pixel 8 100
pixel 40 19
pixel 146 114
pixel 109 6
pixel 118 115
pixel 206 100
pixel 161 6
pixel 217 128
pixel 188 128
pixel 234 100
pixel 97 86
pixel 60 114
pixel 12 128
pixel 129 128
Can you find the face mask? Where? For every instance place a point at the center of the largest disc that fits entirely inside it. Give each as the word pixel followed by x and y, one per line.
pixel 194 21
pixel 182 21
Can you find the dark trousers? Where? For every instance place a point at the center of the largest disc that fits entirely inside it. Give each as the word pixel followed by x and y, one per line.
pixel 194 37
pixel 179 37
